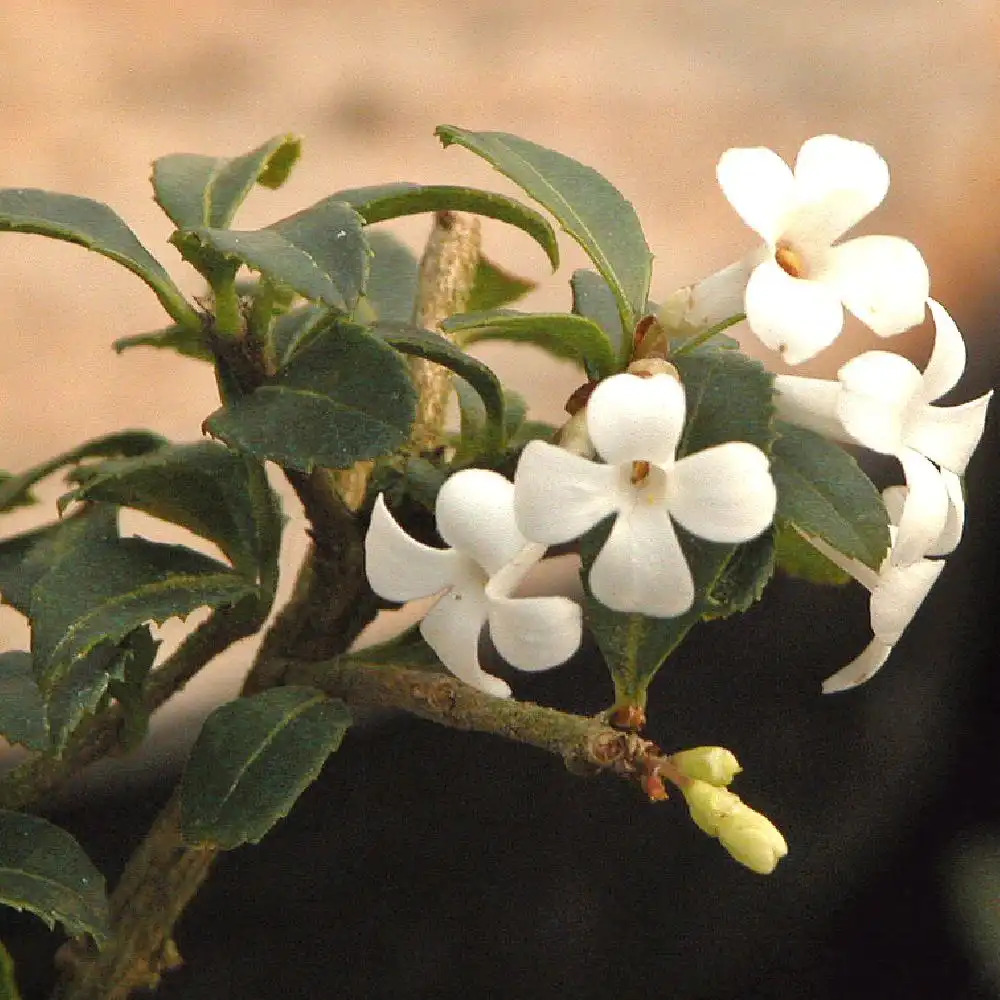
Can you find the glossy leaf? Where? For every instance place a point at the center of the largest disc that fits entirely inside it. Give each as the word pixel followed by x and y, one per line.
pixel 345 396
pixel 103 589
pixel 203 487
pixel 823 492
pixel 207 190
pixel 392 280
pixel 22 712
pixel 494 287
pixel 15 489
pixel 96 227
pixel 252 760
pixel 571 338
pixel 44 870
pixel 587 206
pixel 392 201
pixel 319 252
pixel 594 300
pixel 189 343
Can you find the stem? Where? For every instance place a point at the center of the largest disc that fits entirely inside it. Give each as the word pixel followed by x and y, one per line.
pixel 705 335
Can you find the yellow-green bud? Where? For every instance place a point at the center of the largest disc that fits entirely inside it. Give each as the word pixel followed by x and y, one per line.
pixel 709 805
pixel 716 765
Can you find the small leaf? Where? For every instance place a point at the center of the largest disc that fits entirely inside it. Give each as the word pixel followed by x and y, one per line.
pixel 433 347
pixel 8 981
pixel 796 557
pixel 343 397
pixel 22 713
pixel 203 487
pixel 292 330
pixel 392 280
pixel 187 342
pixel 571 338
pixel 207 190
pixel 494 287
pixel 822 492
pixel 253 758
pixel 24 498
pixel 44 870
pixel 103 589
pixel 392 201
pixel 319 252
pixel 93 225
pixel 741 583
pixel 589 208
pixel 14 489
pixel 594 300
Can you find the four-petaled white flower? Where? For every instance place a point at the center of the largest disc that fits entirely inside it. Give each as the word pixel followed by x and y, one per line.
pixel 723 494
pixel 488 558
pixel 883 402
pixel 795 297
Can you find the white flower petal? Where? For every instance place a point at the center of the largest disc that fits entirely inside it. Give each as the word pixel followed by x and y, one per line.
pixel 878 389
pixel 759 185
pixel 535 633
pixel 948 435
pixel 641 567
pixel 947 360
pixel 723 494
pixel 475 514
pixel 559 496
pixel 713 299
pixel 951 534
pixel 399 568
pixel 900 593
pixel 925 509
pixel 810 403
pixel 631 418
pixel 795 317
pixel 862 668
pixel 841 181
pixel 452 630
pixel 866 576
pixel 883 280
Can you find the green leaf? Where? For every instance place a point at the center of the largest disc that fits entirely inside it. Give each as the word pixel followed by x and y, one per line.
pixel 8 982
pixel 103 589
pixel 25 498
pixel 594 300
pixel 293 330
pixel 44 870
pixel 571 338
pixel 343 397
pixel 93 225
pixel 15 489
pixel 729 398
pixel 186 341
pixel 253 758
pixel 203 487
pixel 494 287
pixel 207 190
pixel 319 252
pixel 434 347
pixel 822 492
pixel 796 557
pixel 392 281
pixel 588 207
pixel 392 201
pixel 22 713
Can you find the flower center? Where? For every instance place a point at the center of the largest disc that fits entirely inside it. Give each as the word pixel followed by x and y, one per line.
pixel 790 261
pixel 640 472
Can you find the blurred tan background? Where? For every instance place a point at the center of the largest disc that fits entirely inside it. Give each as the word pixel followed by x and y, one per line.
pixel 649 93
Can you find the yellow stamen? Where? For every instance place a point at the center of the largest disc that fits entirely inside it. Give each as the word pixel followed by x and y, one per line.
pixel 790 261
pixel 640 472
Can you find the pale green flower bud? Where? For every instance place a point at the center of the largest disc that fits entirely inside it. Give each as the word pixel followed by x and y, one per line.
pixel 709 805
pixel 716 765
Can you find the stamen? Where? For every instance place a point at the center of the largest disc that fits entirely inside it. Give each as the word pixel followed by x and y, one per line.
pixel 640 472
pixel 790 261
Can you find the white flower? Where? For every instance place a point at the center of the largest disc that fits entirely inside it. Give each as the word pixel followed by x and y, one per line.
pixel 487 559
pixel 794 298
pixel 723 494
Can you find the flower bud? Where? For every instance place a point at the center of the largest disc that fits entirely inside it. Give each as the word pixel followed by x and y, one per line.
pixel 716 765
pixel 709 805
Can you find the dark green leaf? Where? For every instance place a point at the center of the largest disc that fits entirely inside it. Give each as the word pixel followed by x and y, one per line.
pixel 434 347
pixel 320 252
pixel 253 759
pixel 494 287
pixel 293 330
pixel 207 190
pixel 593 299
pixel 203 487
pixel 822 492
pixel 796 557
pixel 44 870
pixel 392 201
pixel 572 338
pixel 188 342
pixel 13 490
pixel 742 581
pixel 103 589
pixel 588 207
pixel 93 225
pixel 8 981
pixel 22 713
pixel 392 281
pixel 343 397
pixel 24 499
